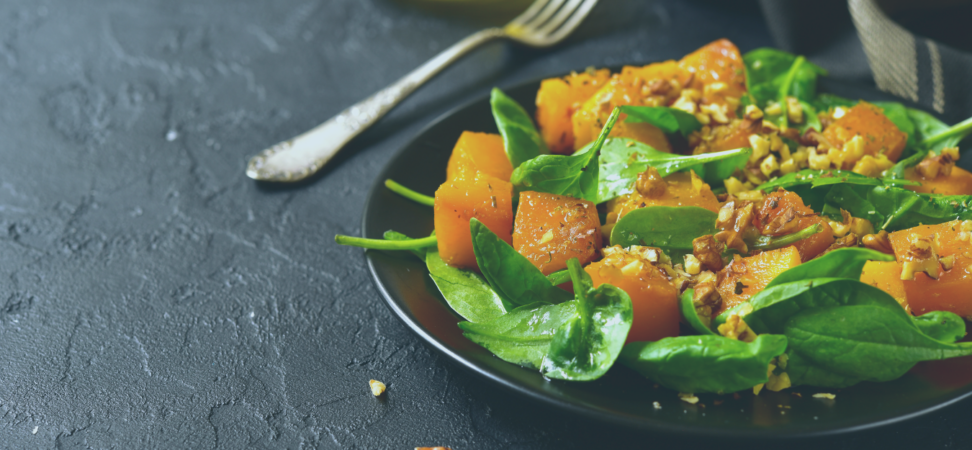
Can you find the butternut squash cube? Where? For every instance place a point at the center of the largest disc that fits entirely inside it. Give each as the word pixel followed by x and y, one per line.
pixel 744 277
pixel 551 229
pixel 958 182
pixel 774 218
pixel 558 99
pixel 654 300
pixel 457 201
pixel 879 134
pixel 479 152
pixel 950 292
pixel 885 275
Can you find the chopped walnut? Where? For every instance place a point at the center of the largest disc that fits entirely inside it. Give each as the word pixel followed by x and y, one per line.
pixel 651 184
pixel 849 240
pixel 753 112
pixel 736 328
pixel 706 298
pixel 783 223
pixel 735 219
pixel 377 387
pixel 921 256
pixel 709 252
pixel 879 242
pixel 934 166
pixel 794 110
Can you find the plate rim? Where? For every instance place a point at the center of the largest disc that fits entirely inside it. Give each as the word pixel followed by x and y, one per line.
pixel 639 423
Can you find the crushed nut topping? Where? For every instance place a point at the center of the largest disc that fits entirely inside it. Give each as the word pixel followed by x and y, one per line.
pixel 377 387
pixel 736 328
pixel 921 256
pixel 879 242
pixel 708 251
pixel 651 184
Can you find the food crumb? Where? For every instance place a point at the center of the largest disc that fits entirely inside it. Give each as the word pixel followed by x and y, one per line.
pixel 797 394
pixel 34 431
pixel 656 405
pixel 377 388
pixel 825 395
pixel 688 398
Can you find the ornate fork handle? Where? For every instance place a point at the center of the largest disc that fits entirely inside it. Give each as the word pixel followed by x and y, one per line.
pixel 303 155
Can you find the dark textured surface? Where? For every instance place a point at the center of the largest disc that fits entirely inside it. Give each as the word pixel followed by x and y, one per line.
pixel 152 296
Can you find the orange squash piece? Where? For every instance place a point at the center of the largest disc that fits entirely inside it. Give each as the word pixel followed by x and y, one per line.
pixel 558 99
pixel 744 277
pixel 718 61
pixel 646 86
pixel 457 201
pixel 880 134
pixel 479 152
pixel 654 300
pixel 959 182
pixel 684 189
pixel 951 291
pixel 551 229
pixel 885 275
pixel 774 211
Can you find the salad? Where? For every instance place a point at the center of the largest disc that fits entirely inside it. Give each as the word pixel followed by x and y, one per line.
pixel 713 224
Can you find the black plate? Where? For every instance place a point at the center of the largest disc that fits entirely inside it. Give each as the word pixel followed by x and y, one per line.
pixel 621 396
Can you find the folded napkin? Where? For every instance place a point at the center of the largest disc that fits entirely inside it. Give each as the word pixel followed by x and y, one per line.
pixel 857 40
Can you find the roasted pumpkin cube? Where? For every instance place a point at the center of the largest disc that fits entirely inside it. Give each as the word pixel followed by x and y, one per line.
pixel 646 86
pixel 654 300
pixel 953 250
pixel 783 212
pixel 479 152
pixel 878 135
pixel 716 62
pixel 558 99
pixel 457 201
pixel 885 275
pixel 551 229
pixel 744 277
pixel 681 189
pixel 958 182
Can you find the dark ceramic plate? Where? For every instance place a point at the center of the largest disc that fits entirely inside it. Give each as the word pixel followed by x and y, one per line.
pixel 621 396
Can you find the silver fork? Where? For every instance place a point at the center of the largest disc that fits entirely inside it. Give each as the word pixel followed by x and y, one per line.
pixel 544 23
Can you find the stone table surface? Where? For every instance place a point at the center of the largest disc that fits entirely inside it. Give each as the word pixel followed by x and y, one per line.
pixel 154 297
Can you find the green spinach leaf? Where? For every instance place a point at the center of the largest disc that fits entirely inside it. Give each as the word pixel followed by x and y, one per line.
pixel 392 235
pixel 573 175
pixel 466 292
pixel 841 263
pixel 704 363
pixel 521 139
pixel 774 75
pixel 669 120
pixel 941 325
pixel 523 335
pixel 622 159
pixel 586 347
pixel 514 278
pixel 838 346
pixel 691 316
pixel 671 228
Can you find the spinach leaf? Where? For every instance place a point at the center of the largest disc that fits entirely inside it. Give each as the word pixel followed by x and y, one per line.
pixel 559 277
pixel 466 292
pixel 586 347
pixel 773 306
pixel 841 263
pixel 894 208
pixel 827 101
pixel 521 139
pixel 669 120
pixel 810 119
pixel 838 346
pixel 574 175
pixel 774 75
pixel 523 335
pixel 927 126
pixel 691 316
pixel 941 325
pixel 671 228
pixel 704 363
pixel 949 137
pixel 514 278
pixel 897 113
pixel 817 178
pixel 392 235
pixel 622 159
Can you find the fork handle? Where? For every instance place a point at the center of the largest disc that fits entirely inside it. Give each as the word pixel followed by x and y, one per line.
pixel 298 158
